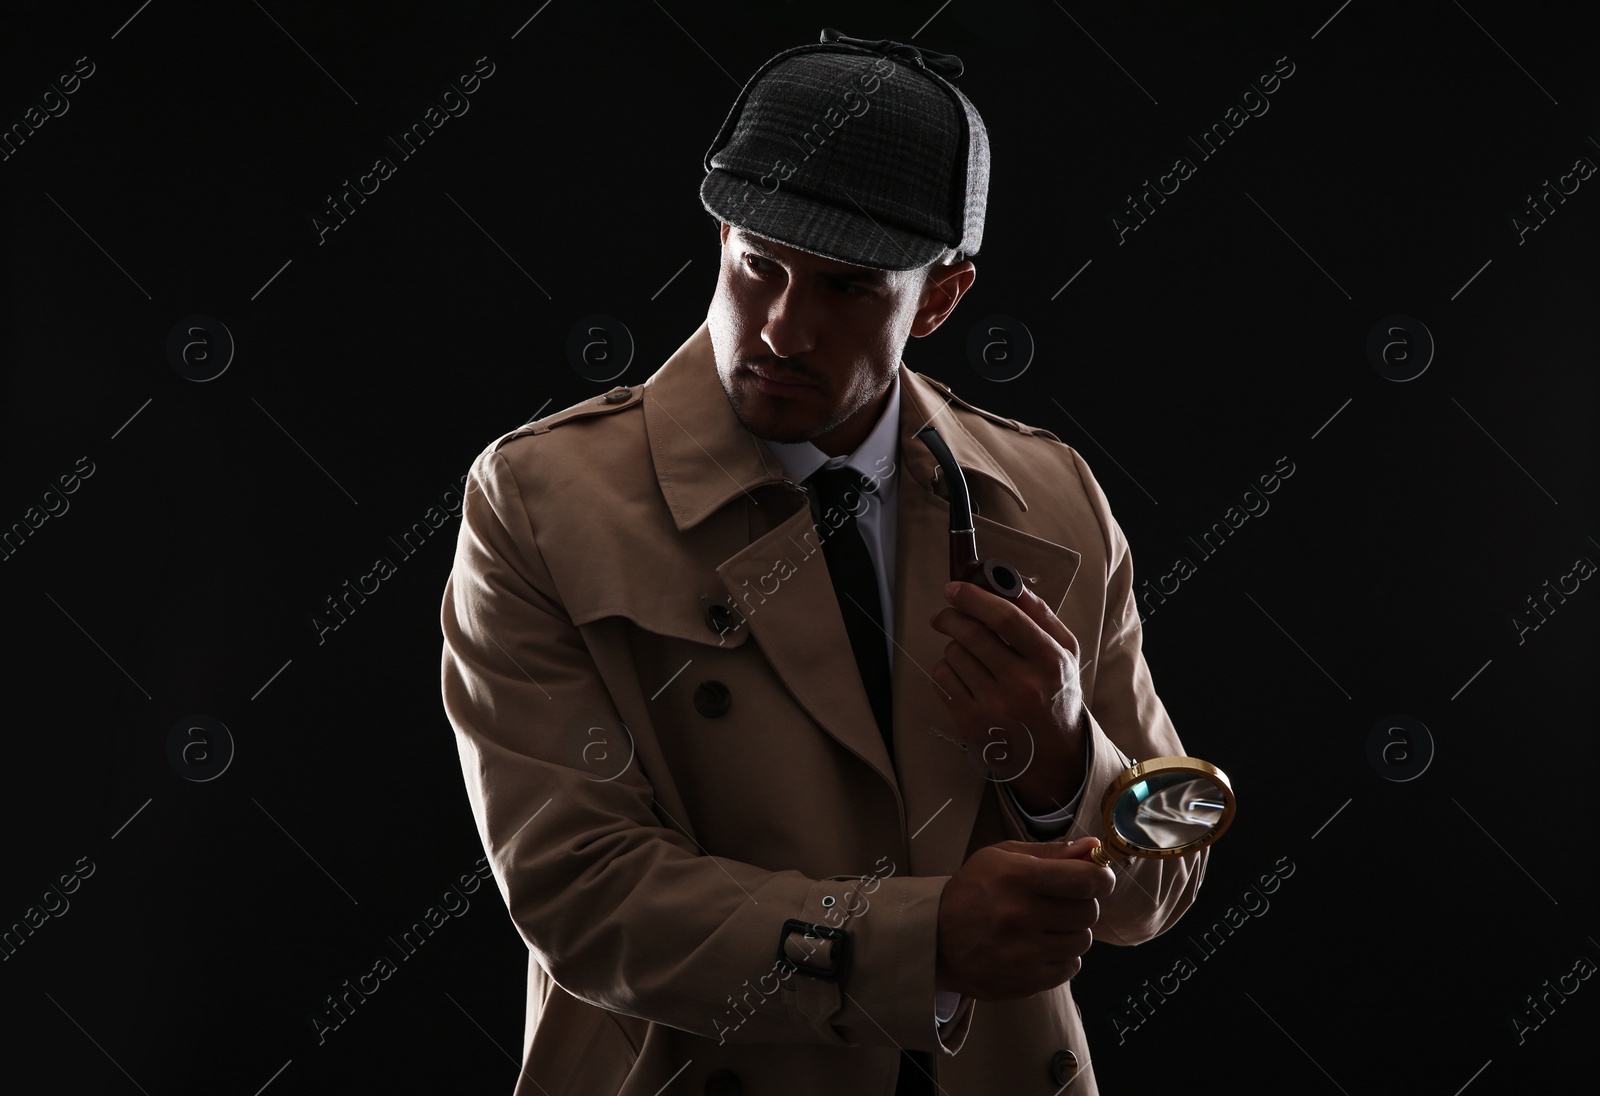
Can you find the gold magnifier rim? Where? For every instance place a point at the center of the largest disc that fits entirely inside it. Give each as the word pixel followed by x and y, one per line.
pixel 1156 766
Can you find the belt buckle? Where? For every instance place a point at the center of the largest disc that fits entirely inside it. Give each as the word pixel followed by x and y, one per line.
pixel 841 948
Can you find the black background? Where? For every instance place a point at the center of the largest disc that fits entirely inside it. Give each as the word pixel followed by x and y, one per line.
pixel 1227 332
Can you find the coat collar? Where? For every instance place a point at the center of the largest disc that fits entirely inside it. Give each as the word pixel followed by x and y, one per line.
pixel 705 457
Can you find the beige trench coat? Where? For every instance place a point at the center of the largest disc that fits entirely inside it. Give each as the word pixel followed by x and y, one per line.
pixel 661 783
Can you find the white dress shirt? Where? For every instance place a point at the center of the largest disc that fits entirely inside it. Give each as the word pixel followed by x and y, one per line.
pixel 878 459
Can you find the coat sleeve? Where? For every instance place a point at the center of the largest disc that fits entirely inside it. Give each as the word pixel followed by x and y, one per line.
pixel 614 900
pixel 1127 722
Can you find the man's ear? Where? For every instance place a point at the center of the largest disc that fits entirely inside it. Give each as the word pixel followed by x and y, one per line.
pixel 943 288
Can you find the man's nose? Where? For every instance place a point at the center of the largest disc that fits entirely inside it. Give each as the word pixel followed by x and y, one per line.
pixel 791 323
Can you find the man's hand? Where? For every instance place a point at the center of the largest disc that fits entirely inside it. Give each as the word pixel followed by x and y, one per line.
pixel 1010 681
pixel 1014 919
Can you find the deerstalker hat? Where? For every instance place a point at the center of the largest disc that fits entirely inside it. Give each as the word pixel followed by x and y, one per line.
pixel 857 150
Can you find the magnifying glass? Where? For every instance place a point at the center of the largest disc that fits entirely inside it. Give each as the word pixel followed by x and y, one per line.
pixel 1167 806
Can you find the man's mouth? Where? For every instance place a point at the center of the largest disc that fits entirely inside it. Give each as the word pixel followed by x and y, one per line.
pixel 778 382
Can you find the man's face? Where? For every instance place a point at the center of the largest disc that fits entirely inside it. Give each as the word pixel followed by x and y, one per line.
pixel 835 330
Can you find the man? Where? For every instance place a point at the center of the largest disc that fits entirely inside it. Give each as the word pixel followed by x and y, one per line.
pixel 729 733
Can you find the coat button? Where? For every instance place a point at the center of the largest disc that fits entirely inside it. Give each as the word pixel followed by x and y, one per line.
pixel 616 395
pixel 1063 1066
pixel 724 1082
pixel 719 618
pixel 712 698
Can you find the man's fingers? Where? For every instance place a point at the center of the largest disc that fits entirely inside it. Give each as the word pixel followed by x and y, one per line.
pixel 1069 874
pixel 1077 849
pixel 1067 918
pixel 1061 869
pixel 1032 604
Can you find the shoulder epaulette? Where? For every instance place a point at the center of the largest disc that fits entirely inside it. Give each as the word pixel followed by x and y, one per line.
pixel 618 399
pixel 998 420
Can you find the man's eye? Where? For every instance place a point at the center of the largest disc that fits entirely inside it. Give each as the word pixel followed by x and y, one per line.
pixel 757 265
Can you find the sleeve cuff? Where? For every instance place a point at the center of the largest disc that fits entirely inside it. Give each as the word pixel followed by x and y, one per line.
pixel 1057 822
pixel 952 1029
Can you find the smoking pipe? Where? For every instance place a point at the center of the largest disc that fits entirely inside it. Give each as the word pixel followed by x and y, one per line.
pixel 994 575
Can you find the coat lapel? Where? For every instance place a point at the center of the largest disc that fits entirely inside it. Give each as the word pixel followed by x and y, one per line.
pixel 802 632
pixel 940 783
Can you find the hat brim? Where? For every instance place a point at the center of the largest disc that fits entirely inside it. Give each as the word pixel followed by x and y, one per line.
pixel 820 228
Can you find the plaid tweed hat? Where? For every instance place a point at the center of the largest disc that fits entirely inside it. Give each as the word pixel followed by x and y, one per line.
pixel 857 150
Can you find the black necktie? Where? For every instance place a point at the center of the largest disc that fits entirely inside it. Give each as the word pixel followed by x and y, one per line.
pixel 837 495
